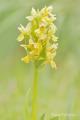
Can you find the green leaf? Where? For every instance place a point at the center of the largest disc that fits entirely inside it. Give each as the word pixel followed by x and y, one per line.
pixel 55 118
pixel 42 117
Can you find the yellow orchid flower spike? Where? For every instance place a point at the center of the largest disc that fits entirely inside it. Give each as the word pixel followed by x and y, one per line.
pixel 39 35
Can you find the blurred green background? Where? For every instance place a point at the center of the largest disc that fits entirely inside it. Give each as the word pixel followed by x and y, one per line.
pixel 58 90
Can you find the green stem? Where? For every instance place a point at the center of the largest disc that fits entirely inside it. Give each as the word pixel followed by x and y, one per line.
pixel 34 95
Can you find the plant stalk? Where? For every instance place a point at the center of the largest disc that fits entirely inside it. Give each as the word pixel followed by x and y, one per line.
pixel 34 94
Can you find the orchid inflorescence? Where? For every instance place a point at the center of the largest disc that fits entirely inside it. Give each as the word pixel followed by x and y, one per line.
pixel 38 37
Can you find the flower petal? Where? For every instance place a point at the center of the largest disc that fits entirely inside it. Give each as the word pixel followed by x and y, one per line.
pixel 26 59
pixel 20 37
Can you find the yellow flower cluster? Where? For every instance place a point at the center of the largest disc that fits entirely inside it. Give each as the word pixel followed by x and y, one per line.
pixel 38 37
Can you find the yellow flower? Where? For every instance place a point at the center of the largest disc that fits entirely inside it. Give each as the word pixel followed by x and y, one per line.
pixel 26 59
pixel 39 39
pixel 23 32
pixel 50 57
